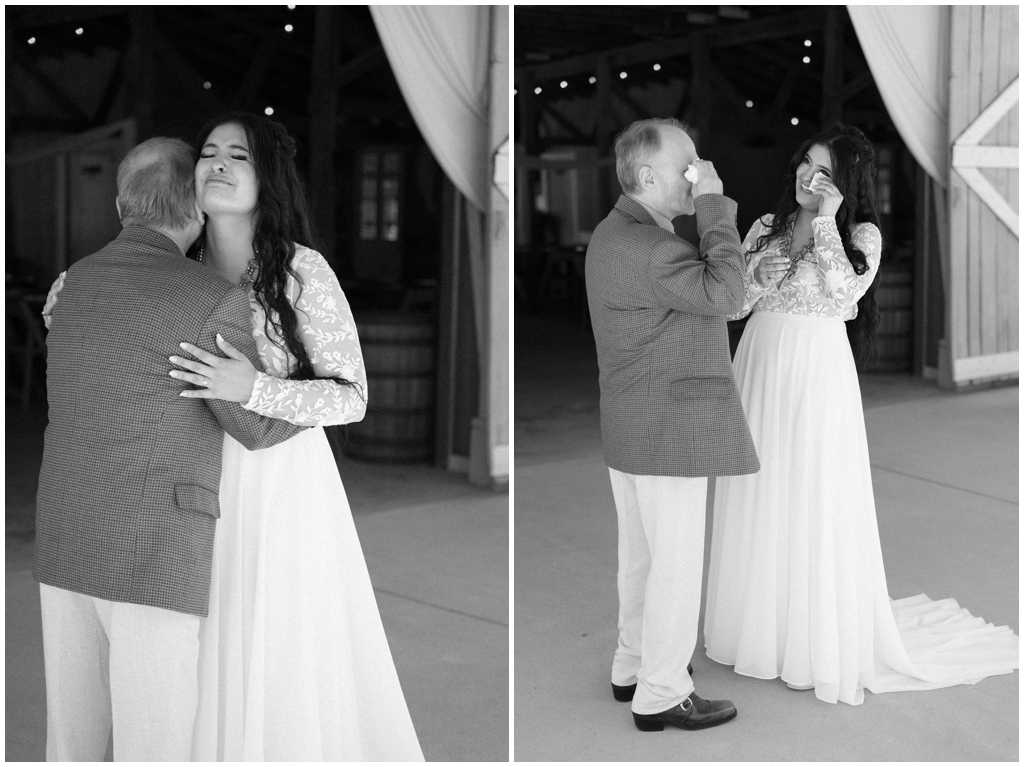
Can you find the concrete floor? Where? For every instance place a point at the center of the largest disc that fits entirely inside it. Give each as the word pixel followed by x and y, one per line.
pixel 946 485
pixel 437 552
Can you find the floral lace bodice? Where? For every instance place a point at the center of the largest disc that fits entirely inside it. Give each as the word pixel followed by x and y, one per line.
pixel 328 331
pixel 823 284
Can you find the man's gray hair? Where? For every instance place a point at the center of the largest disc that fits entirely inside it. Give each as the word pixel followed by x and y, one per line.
pixel 634 147
pixel 156 184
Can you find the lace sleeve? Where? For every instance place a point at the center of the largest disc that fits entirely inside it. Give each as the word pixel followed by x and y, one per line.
pixel 840 284
pixel 752 291
pixel 328 332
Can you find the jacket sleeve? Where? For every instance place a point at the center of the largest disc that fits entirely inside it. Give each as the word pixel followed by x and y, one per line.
pixel 233 320
pixel 328 331
pixel 710 281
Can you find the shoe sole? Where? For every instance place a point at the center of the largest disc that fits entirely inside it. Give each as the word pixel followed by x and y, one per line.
pixel 649 723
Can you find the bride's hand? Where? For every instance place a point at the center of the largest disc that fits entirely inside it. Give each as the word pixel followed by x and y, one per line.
pixel 770 270
pixel 228 378
pixel 51 299
pixel 831 197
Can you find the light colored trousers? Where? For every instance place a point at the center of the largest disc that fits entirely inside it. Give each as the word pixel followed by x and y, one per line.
pixel 128 666
pixel 661 564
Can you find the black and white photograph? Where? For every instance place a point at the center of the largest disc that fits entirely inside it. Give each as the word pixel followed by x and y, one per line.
pixel 257 367
pixel 765 301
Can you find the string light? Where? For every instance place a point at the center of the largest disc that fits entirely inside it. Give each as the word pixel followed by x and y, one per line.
pixel 807 59
pixel 79 31
pixel 291 7
pixel 657 67
pixel 750 104
pixel 538 90
pixel 795 121
pixel 288 27
pixel 268 111
pixel 31 41
pixel 207 85
pixel 592 80
pixel 622 75
pixel 807 43
pixel 564 84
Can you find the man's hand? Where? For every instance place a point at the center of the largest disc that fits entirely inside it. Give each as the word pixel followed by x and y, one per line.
pixel 708 181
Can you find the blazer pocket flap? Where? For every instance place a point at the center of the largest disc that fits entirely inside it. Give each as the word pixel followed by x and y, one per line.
pixel 702 388
pixel 197 498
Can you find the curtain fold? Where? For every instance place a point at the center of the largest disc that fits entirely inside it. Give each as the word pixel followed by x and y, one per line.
pixel 907 49
pixel 439 55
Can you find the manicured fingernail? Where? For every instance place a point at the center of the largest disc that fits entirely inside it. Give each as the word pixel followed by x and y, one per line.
pixel 174 373
pixel 183 345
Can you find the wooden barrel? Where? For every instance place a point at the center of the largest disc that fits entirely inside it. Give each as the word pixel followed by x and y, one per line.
pixel 399 354
pixel 895 333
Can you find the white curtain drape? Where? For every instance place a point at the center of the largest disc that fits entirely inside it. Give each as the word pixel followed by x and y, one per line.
pixel 439 54
pixel 907 48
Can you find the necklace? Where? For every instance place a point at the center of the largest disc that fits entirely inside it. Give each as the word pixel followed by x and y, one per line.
pixel 250 268
pixel 806 252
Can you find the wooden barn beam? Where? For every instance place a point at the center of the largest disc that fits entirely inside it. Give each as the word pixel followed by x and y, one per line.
pixel 141 69
pixel 784 93
pixel 181 67
pixel 257 71
pixel 856 85
pixel 54 91
pixel 110 92
pixel 323 112
pixel 358 67
pixel 619 89
pixel 566 123
pixel 832 67
pixel 799 22
pixel 604 133
pixel 46 123
pixel 41 15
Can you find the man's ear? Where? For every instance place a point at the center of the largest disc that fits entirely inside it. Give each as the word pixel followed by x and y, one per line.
pixel 117 204
pixel 646 176
pixel 200 216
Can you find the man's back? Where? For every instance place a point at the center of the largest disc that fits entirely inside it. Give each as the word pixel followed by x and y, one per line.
pixel 129 484
pixel 669 405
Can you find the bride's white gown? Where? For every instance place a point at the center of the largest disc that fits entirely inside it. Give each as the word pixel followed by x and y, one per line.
pixel 797 587
pixel 294 663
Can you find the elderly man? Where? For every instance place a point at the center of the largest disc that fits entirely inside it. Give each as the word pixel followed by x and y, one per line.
pixel 128 491
pixel 670 411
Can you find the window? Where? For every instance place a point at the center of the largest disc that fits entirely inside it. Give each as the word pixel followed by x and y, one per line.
pixel 380 195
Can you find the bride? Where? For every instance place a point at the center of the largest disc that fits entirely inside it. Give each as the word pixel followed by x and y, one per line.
pixel 796 587
pixel 294 664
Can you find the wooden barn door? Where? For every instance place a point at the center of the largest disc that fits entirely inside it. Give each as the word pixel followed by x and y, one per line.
pixel 982 340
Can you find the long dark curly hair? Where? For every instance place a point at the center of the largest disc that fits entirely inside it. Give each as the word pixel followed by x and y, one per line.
pixel 853 172
pixel 281 220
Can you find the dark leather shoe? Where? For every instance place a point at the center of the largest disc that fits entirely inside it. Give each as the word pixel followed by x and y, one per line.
pixel 694 713
pixel 625 692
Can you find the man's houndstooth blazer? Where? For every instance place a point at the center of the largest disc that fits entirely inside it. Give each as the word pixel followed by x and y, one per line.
pixel 128 491
pixel 669 403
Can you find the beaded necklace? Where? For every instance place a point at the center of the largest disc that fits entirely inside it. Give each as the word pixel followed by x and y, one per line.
pixel 786 242
pixel 250 269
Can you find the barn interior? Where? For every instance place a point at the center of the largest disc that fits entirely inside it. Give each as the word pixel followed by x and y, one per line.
pixel 752 82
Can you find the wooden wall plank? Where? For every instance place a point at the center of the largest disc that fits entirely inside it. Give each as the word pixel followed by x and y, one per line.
pixel 956 286
pixel 975 104
pixel 1006 134
pixel 990 228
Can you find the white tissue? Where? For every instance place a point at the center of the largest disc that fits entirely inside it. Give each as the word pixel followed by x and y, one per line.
pixel 691 174
pixel 815 179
